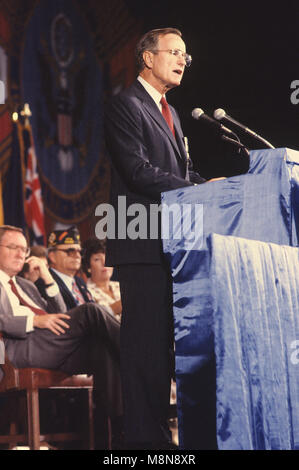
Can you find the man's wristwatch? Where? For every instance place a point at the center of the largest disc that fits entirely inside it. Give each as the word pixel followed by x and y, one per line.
pixel 49 285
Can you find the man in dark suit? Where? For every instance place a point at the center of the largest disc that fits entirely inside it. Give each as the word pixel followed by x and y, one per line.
pixel 65 256
pixel 39 332
pixel 147 148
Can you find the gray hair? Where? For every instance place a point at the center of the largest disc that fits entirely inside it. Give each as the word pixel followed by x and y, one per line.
pixel 149 42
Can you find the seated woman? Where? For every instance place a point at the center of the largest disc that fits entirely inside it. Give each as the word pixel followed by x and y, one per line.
pixel 104 291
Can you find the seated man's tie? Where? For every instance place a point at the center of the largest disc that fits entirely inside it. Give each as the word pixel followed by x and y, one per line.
pixel 37 311
pixel 77 294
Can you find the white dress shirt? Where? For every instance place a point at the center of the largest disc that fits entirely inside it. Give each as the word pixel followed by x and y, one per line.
pixel 151 91
pixel 68 280
pixel 17 308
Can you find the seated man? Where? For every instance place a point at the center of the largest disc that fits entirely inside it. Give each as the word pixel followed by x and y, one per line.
pixel 39 251
pixel 64 256
pixel 39 332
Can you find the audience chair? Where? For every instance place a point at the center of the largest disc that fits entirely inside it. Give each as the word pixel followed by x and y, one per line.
pixel 16 382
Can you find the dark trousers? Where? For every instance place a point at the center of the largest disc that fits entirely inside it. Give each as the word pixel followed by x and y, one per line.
pixel 146 351
pixel 90 345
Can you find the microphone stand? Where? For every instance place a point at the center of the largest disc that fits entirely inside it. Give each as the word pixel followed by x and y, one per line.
pixel 258 137
pixel 237 143
pixel 249 131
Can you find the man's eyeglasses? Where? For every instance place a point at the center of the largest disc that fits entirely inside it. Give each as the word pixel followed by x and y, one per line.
pixel 71 251
pixel 25 250
pixel 177 53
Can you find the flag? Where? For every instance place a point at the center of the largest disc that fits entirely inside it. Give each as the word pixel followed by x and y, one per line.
pixel 34 210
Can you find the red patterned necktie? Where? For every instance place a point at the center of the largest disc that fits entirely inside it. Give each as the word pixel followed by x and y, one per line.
pixel 167 114
pixel 77 294
pixel 37 311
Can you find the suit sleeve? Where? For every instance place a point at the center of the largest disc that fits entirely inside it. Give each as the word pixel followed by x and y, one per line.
pixel 49 304
pixel 193 175
pixel 14 327
pixel 125 142
pixel 56 304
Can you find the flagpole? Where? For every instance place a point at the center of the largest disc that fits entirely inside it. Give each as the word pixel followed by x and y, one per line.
pixel 20 127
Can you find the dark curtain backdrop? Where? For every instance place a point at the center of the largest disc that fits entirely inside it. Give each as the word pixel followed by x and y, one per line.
pixel 245 56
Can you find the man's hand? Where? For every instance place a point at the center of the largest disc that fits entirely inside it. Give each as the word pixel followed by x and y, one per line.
pixel 52 322
pixel 39 266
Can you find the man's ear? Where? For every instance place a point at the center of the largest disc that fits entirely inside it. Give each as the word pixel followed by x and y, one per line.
pixel 51 258
pixel 148 59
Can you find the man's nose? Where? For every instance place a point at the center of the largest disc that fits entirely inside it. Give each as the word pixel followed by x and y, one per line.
pixel 20 252
pixel 181 60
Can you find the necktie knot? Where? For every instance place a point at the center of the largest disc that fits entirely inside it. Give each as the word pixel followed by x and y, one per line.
pixel 167 114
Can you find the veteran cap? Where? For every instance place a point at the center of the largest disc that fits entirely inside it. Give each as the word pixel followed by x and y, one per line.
pixel 70 236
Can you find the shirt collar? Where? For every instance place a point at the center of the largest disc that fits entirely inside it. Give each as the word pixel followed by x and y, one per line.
pixel 65 277
pixel 151 91
pixel 5 278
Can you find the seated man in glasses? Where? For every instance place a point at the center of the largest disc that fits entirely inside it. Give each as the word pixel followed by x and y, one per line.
pixel 65 256
pixel 38 331
pixel 39 251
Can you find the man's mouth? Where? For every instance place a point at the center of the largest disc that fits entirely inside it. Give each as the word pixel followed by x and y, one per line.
pixel 178 71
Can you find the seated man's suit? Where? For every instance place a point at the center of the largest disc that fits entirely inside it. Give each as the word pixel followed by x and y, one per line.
pixel 83 348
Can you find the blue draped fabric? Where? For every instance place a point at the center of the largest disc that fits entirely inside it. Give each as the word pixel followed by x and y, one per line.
pixel 261 205
pixel 255 289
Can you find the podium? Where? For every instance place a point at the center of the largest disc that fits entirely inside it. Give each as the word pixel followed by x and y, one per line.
pixel 261 206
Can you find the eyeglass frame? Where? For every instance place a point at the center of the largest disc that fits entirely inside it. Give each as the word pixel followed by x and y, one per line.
pixel 176 53
pixel 25 251
pixel 70 251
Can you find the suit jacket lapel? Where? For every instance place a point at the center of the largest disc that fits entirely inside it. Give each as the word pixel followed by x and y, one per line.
pixel 83 289
pixel 37 299
pixel 179 137
pixel 4 300
pixel 65 292
pixel 153 110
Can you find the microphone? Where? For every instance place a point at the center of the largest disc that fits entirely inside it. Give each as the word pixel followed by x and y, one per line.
pixel 221 114
pixel 198 113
